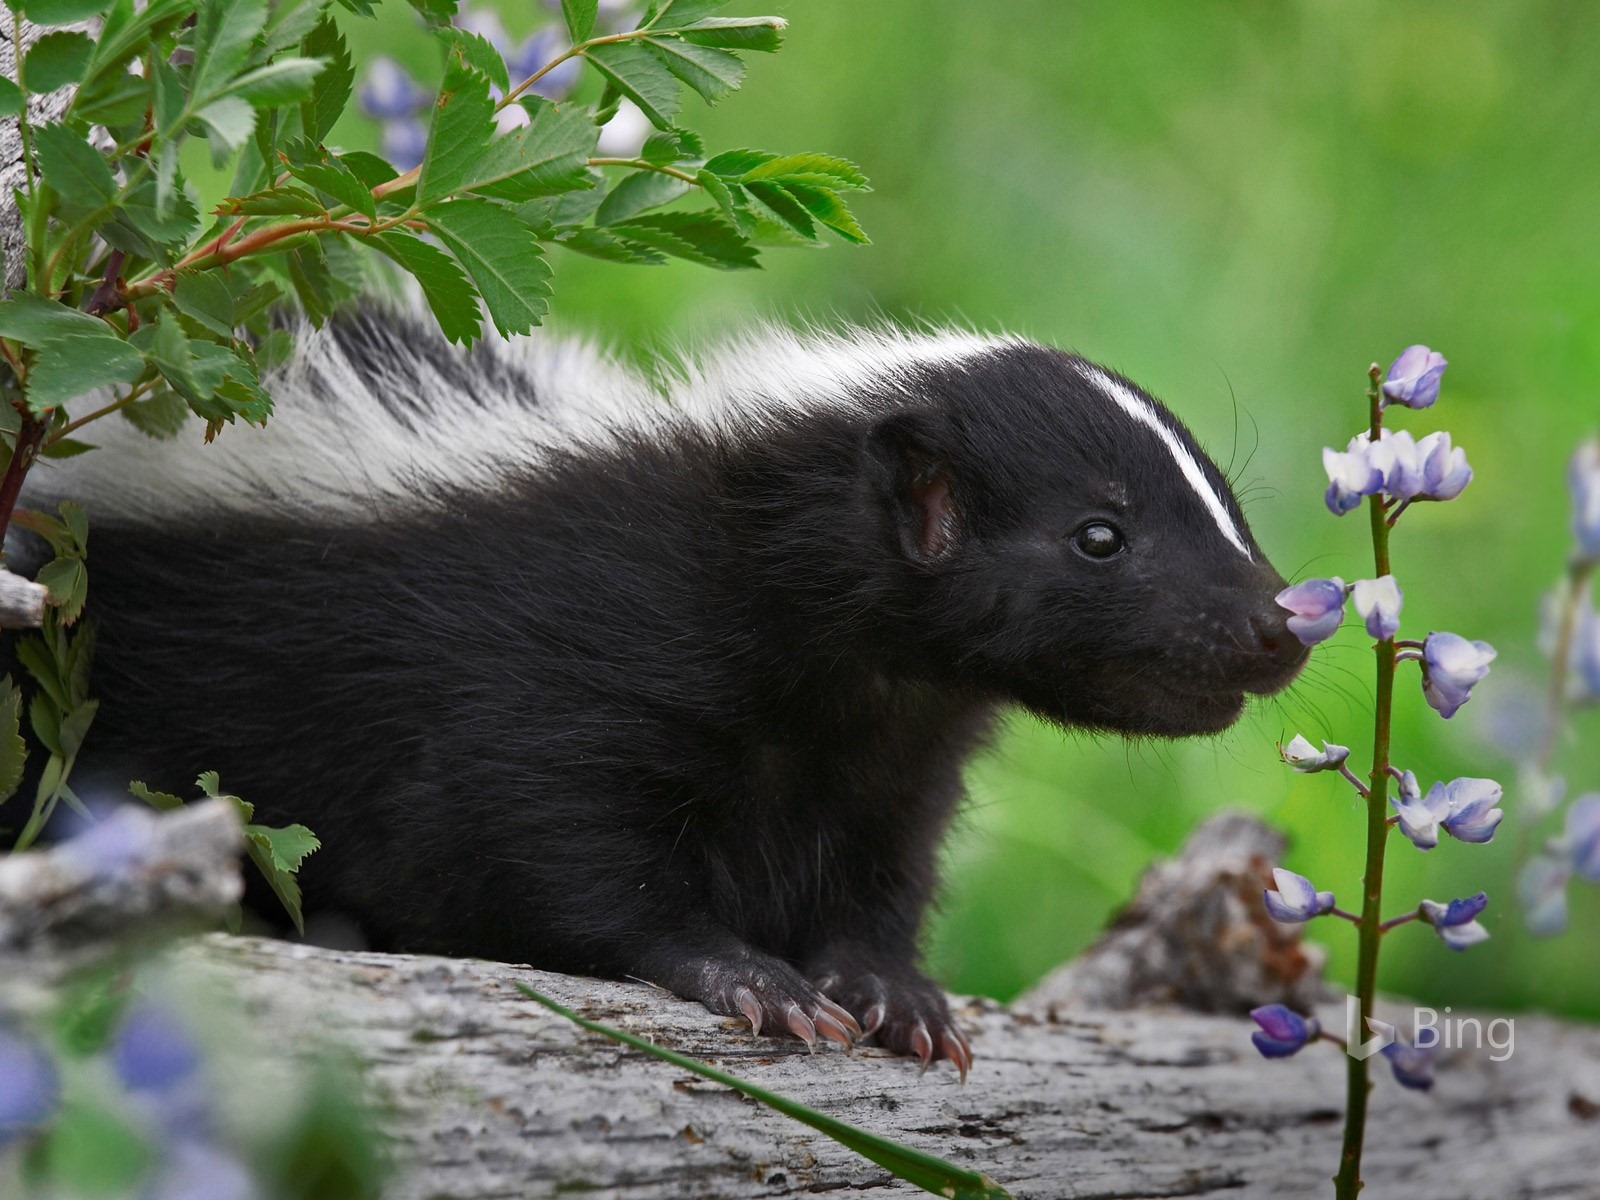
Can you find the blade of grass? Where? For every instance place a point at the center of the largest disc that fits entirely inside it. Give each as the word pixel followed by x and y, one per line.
pixel 927 1171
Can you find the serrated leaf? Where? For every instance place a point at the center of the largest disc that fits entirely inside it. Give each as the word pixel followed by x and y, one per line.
pixel 368 168
pixel 126 30
pixel 313 283
pixel 114 100
pixel 161 801
pixel 67 581
pixel 73 167
pixel 829 207
pixel 161 414
pixel 229 122
pixel 636 193
pixel 761 34
pixel 810 169
pixel 711 72
pixel 210 784
pixel 501 255
pixel 203 296
pixel 59 12
pixel 732 205
pixel 34 321
pixel 330 92
pixel 445 288
pixel 65 448
pixel 670 14
pixel 699 237
pixel 579 15
pixel 70 366
pixel 458 135
pixel 224 31
pixel 289 22
pixel 275 202
pixel 671 145
pixel 639 76
pixel 13 749
pixel 548 155
pixel 76 518
pixel 478 53
pixel 435 12
pixel 10 106
pixel 280 82
pixel 35 656
pixel 282 883
pixel 608 246
pixel 784 207
pixel 44 719
pixel 56 60
pixel 288 846
pixel 336 179
pixel 735 164
pixel 75 724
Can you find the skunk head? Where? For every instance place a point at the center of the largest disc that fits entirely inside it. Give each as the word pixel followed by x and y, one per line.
pixel 1062 541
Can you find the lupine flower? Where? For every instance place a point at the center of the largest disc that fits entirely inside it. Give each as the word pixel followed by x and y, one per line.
pixel 152 1051
pixel 1456 923
pixel 1318 608
pixel 1542 890
pixel 538 50
pixel 30 1089
pixel 1539 794
pixel 1583 836
pixel 1420 816
pixel 1445 472
pixel 1307 759
pixel 1352 475
pixel 1283 1031
pixel 1583 476
pixel 1585 664
pixel 388 93
pixel 1412 1065
pixel 1451 667
pixel 194 1170
pixel 1378 602
pixel 404 142
pixel 1472 815
pixel 112 845
pixel 1296 898
pixel 1413 378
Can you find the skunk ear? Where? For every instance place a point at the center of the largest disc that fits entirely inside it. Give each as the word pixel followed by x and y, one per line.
pixel 918 487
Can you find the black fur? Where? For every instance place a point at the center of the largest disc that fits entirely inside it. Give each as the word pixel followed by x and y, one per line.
pixel 686 706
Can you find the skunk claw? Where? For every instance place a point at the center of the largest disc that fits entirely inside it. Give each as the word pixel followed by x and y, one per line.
pixel 875 1017
pixel 800 1025
pixel 957 1051
pixel 922 1045
pixel 841 1017
pixel 830 1028
pixel 746 1001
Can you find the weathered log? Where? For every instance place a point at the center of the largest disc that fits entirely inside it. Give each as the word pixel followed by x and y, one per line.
pixel 483 1093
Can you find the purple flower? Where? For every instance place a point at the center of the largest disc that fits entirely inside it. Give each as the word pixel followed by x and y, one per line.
pixel 388 93
pixel 404 142
pixel 1583 836
pixel 1378 602
pixel 152 1051
pixel 193 1170
pixel 1456 923
pixel 484 22
pixel 1307 759
pixel 1296 898
pixel 1318 608
pixel 117 842
pixel 30 1089
pixel 1472 815
pixel 1542 891
pixel 1444 469
pixel 1419 815
pixel 1352 475
pixel 1451 667
pixel 1413 378
pixel 1412 1065
pixel 536 52
pixel 1585 664
pixel 1583 477
pixel 1283 1031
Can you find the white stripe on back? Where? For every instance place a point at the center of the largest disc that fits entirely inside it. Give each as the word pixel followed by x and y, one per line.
pixel 1143 412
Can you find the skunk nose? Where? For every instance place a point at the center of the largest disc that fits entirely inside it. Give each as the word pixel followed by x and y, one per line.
pixel 1274 639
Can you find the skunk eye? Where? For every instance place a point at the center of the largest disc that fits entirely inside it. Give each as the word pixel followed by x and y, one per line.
pixel 1098 540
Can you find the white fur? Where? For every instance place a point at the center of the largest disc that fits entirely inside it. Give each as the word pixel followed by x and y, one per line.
pixel 1145 414
pixel 348 452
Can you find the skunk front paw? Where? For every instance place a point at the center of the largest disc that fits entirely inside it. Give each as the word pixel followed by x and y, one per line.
pixel 903 1012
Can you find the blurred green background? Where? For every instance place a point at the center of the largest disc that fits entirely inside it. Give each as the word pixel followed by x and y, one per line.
pixel 1241 205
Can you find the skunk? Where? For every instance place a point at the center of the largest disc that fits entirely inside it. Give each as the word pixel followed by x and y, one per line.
pixel 668 677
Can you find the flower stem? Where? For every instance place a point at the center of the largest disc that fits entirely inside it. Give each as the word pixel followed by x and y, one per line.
pixel 1347 1183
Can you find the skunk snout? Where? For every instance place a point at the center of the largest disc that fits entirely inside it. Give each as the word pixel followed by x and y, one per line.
pixel 1278 653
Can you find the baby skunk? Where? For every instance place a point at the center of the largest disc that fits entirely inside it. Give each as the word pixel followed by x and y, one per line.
pixel 669 681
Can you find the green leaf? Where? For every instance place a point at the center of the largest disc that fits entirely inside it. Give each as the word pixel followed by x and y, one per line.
pixel 13 749
pixel 637 192
pixel 699 237
pixel 10 98
pixel 33 654
pixel 161 801
pixel 70 366
pixel 275 202
pixel 462 126
pixel 821 169
pixel 291 21
pixel 443 285
pixel 73 167
pixel 711 72
pixel 639 76
pixel 732 206
pixel 162 414
pixel 579 16
pixel 501 255
pixel 229 122
pixel 828 207
pixel 289 846
pixel 603 244
pixel 671 145
pixel 734 164
pixel 368 168
pixel 65 448
pixel 672 14
pixel 280 82
pixel 56 60
pixel 478 53
pixel 75 725
pixel 127 30
pixel 138 226
pixel 313 283
pixel 337 180
pixel 224 31
pixel 76 518
pixel 331 90
pixel 203 296
pixel 789 211
pixel 548 155
pixel 927 1171
pixel 58 12
pixel 67 580
pixel 34 321
pixel 210 783
pixel 763 34
pixel 435 12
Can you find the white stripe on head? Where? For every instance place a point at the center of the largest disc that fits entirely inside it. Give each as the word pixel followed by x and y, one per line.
pixel 1142 411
